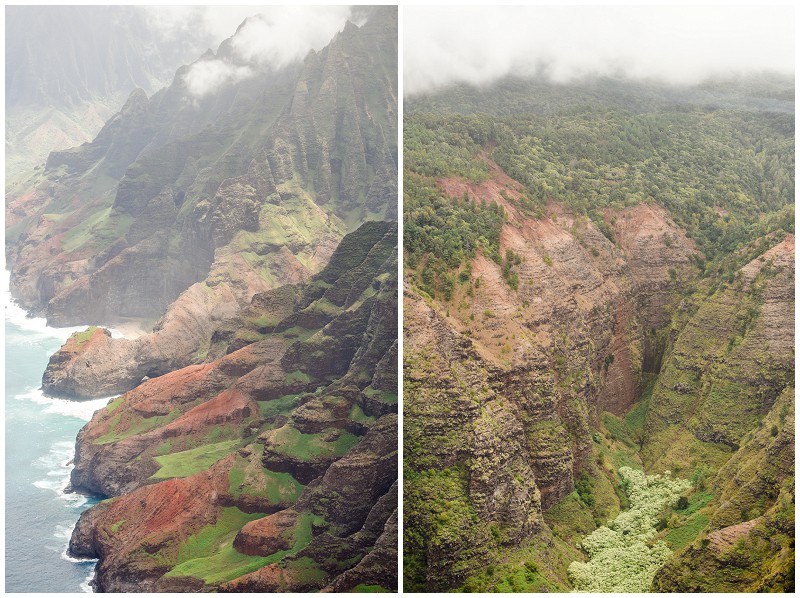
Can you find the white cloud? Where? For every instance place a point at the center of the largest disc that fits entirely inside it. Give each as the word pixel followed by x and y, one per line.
pixel 683 44
pixel 208 75
pixel 284 34
pixel 208 26
pixel 273 38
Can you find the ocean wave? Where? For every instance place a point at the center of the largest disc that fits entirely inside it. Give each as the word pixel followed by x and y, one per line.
pixel 85 586
pixel 58 456
pixel 16 315
pixel 64 532
pixel 83 410
pixel 57 463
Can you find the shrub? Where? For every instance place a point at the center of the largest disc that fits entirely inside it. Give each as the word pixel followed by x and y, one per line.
pixel 620 558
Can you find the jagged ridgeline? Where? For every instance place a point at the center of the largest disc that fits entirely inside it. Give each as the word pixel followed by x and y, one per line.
pixel 193 203
pixel 70 68
pixel 599 281
pixel 260 178
pixel 273 465
pixel 252 226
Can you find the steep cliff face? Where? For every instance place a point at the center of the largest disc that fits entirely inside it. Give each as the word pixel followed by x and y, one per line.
pixel 722 412
pixel 728 365
pixel 504 385
pixel 273 465
pixel 749 542
pixel 194 204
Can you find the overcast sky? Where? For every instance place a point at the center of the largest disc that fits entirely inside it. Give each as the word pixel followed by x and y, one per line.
pixel 681 44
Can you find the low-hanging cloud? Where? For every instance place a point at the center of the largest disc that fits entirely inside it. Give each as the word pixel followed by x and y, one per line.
pixel 208 75
pixel 284 34
pixel 271 38
pixel 684 44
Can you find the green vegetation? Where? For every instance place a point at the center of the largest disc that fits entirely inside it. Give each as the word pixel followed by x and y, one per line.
pixel 279 406
pixel 289 441
pixel 306 570
pixel 298 376
pixel 224 565
pixel 113 405
pixel 526 579
pixel 759 558
pixel 81 337
pixel 370 589
pixel 440 234
pixel 134 425
pixel 299 333
pixel 435 146
pixel 209 555
pixel 357 415
pixel 186 463
pixel 511 261
pixel 206 542
pixel 681 536
pixel 385 396
pixel 116 527
pixel 621 557
pixel 441 517
pixel 101 228
pixel 697 502
pixel 250 479
pixel 540 566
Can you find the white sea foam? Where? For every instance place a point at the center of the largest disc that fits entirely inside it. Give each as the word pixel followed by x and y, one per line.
pixel 15 314
pixel 78 409
pixel 85 587
pixel 58 456
pixel 57 464
pixel 63 532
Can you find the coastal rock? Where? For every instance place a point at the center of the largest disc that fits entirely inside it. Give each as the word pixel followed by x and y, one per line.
pixel 268 455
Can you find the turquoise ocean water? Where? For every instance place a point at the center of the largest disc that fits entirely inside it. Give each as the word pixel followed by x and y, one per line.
pixel 40 441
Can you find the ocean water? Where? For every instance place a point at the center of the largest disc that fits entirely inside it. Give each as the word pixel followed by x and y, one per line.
pixel 40 440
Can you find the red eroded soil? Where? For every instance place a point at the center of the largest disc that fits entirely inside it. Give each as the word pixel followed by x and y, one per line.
pixel 268 535
pixel 487 191
pixel 726 537
pixel 171 509
pixel 230 405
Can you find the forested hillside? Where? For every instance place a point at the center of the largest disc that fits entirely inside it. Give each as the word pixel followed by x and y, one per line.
pixel 600 275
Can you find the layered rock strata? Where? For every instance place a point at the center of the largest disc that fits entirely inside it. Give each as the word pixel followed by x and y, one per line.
pixel 271 468
pixel 503 386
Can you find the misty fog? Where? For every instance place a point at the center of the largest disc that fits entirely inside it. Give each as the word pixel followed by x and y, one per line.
pixel 685 44
pixel 272 37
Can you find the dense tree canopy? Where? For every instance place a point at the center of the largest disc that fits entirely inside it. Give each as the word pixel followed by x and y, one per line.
pixel 726 174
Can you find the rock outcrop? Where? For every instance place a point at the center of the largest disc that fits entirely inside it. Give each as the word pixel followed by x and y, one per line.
pixel 193 205
pixel 504 385
pixel 270 467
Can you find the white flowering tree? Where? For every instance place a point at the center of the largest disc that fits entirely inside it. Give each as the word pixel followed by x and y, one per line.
pixel 621 557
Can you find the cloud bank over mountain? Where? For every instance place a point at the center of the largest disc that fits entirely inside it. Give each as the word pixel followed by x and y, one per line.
pixel 271 37
pixel 683 44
